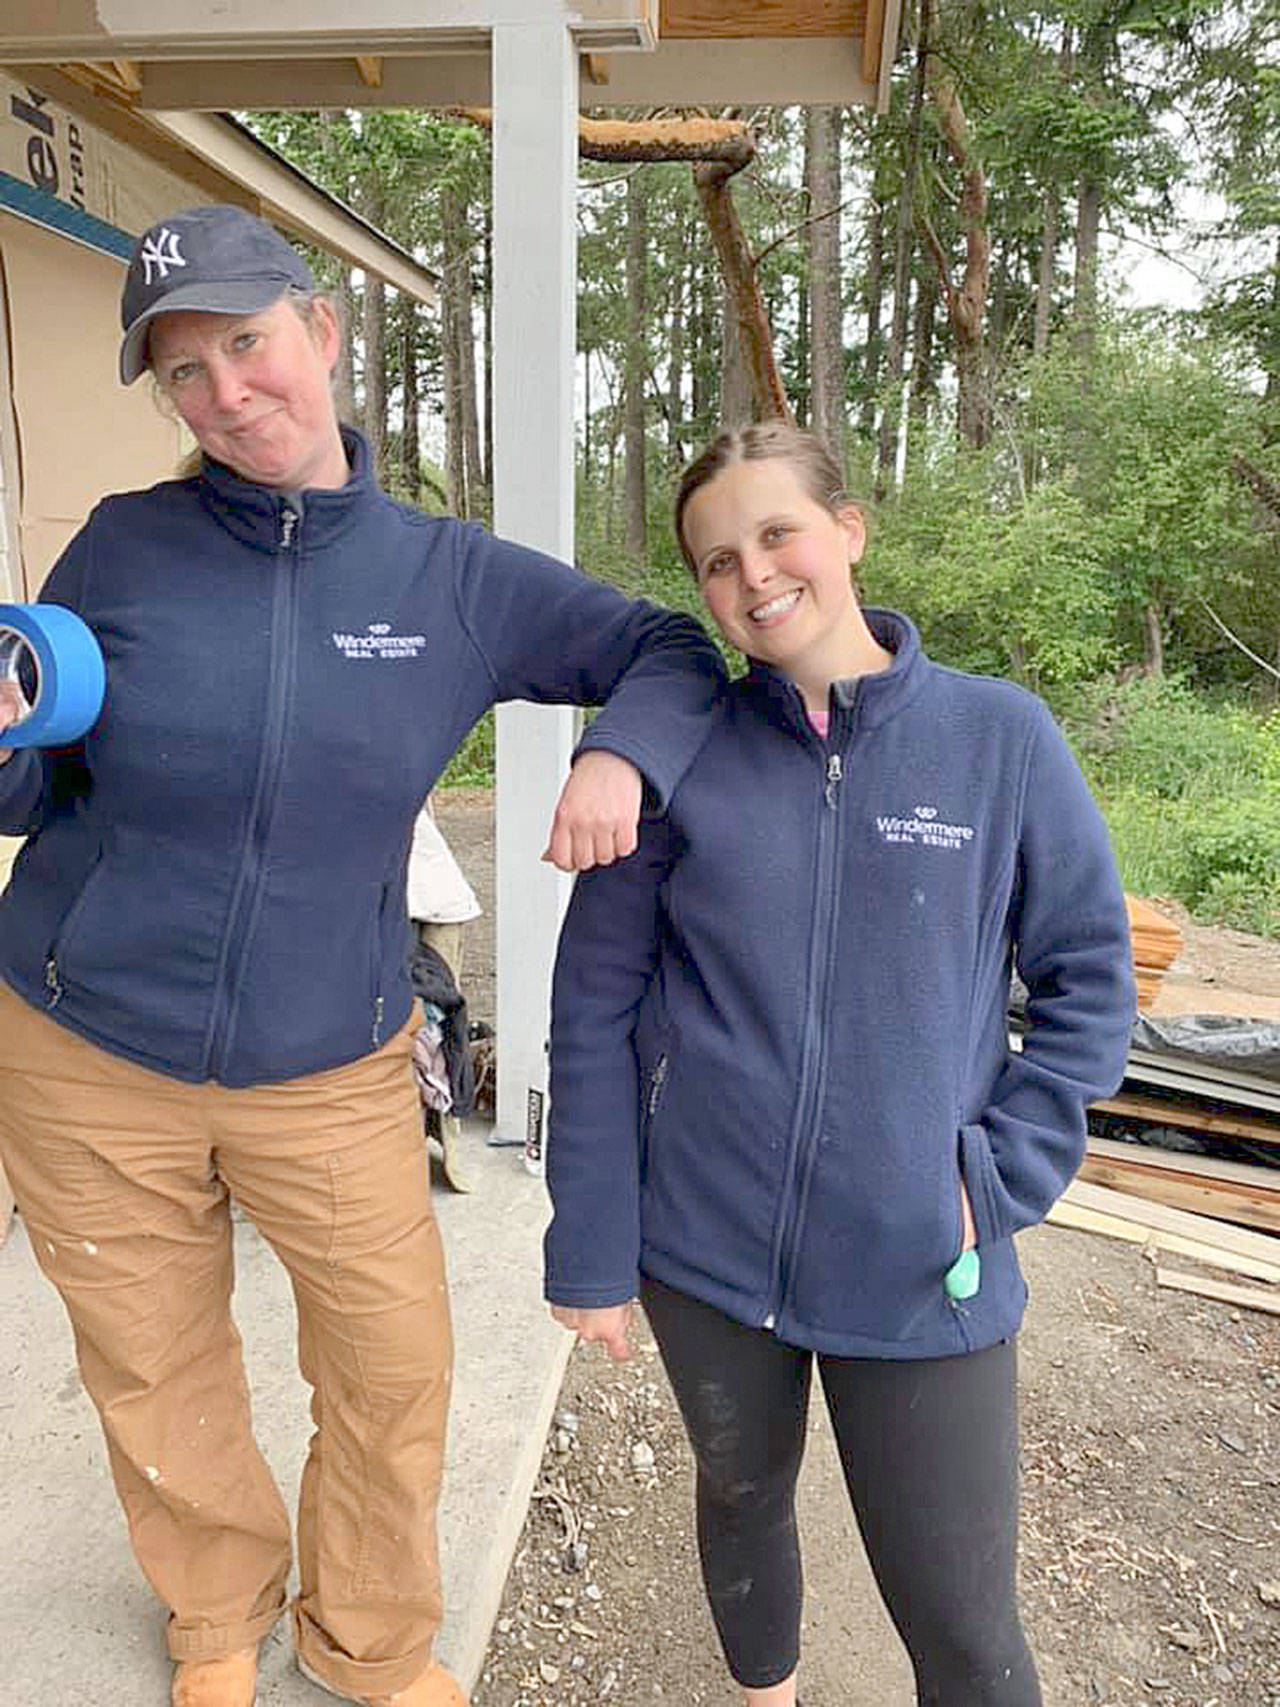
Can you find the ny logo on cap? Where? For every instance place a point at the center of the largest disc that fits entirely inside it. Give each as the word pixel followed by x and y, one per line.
pixel 160 253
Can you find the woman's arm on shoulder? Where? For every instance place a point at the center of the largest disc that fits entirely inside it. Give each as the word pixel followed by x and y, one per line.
pixel 551 634
pixel 606 962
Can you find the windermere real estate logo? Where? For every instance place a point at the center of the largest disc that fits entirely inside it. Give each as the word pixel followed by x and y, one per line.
pixel 378 642
pixel 924 829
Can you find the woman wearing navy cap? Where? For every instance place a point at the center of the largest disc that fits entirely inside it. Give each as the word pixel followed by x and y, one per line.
pixel 203 950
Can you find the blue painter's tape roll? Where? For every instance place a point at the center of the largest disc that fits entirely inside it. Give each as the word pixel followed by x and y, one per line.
pixel 57 664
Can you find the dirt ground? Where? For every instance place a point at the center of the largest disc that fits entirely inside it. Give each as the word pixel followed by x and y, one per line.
pixel 1150 1565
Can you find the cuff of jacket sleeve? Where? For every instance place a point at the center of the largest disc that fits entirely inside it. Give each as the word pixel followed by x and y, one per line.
pixel 658 786
pixel 591 1297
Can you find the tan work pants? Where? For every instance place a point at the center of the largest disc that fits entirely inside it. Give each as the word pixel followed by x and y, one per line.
pixel 122 1176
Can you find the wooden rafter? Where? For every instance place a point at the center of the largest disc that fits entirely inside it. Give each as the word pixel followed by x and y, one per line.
pixel 873 41
pixel 369 65
pixel 130 75
pixel 119 79
pixel 732 20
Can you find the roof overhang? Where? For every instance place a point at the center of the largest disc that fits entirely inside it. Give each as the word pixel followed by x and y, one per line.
pixel 226 162
pixel 218 55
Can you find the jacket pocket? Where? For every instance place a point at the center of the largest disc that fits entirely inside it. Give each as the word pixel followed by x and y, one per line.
pixel 386 929
pixel 60 959
pixel 654 1080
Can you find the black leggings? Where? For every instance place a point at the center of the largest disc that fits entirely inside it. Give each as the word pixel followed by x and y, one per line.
pixel 929 1450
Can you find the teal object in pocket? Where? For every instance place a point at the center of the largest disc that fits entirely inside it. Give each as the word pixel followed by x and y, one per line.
pixel 964 1276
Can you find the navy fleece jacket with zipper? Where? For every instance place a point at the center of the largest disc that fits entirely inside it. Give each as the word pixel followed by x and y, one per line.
pixel 213 882
pixel 779 1039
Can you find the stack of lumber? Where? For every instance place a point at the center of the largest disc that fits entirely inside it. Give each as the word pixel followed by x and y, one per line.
pixel 1243 1192
pixel 1164 1232
pixel 1156 945
pixel 1211 1100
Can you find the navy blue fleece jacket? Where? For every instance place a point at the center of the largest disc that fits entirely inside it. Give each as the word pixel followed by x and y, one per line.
pixel 213 882
pixel 779 1039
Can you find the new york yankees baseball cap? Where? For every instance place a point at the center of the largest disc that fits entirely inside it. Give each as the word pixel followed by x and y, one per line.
pixel 215 260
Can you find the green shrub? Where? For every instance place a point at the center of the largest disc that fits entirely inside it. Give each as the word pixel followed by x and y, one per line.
pixel 1230 846
pixel 1191 793
pixel 472 765
pixel 1155 734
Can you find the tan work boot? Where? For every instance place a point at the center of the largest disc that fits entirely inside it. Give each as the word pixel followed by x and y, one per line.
pixel 435 1688
pixel 231 1681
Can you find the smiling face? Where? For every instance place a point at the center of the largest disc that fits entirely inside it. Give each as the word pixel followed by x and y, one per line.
pixel 773 566
pixel 254 389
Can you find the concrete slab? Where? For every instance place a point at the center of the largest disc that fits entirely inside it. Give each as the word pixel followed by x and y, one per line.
pixel 74 1609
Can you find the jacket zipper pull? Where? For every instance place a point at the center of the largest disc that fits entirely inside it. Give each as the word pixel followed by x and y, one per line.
pixel 656 1083
pixel 379 1008
pixel 51 981
pixel 835 773
pixel 288 522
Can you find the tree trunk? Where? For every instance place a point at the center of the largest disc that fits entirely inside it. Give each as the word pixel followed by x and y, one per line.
pixel 344 378
pixel 375 368
pixel 1271 362
pixel 744 306
pixel 1154 662
pixel 896 354
pixel 1089 212
pixel 586 413
pixel 735 381
pixel 873 304
pixel 635 531
pixel 826 282
pixel 1045 275
pixel 967 306
pixel 675 367
pixel 923 379
pixel 1051 228
pixel 1085 304
pixel 802 356
pixel 410 447
pixel 473 464
pixel 373 205
pixel 451 345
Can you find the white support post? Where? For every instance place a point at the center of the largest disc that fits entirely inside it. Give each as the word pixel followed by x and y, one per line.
pixel 535 114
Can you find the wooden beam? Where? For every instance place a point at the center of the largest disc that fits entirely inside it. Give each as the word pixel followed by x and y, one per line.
pixel 1226 1191
pixel 369 65
pixel 805 71
pixel 595 69
pixel 1191 1116
pixel 873 41
pixel 1220 1236
pixel 129 74
pixel 44 31
pixel 1066 1213
pixel 1250 1297
pixel 428 80
pixel 731 20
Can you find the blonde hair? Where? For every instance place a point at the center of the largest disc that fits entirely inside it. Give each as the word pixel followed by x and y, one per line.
pixel 815 467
